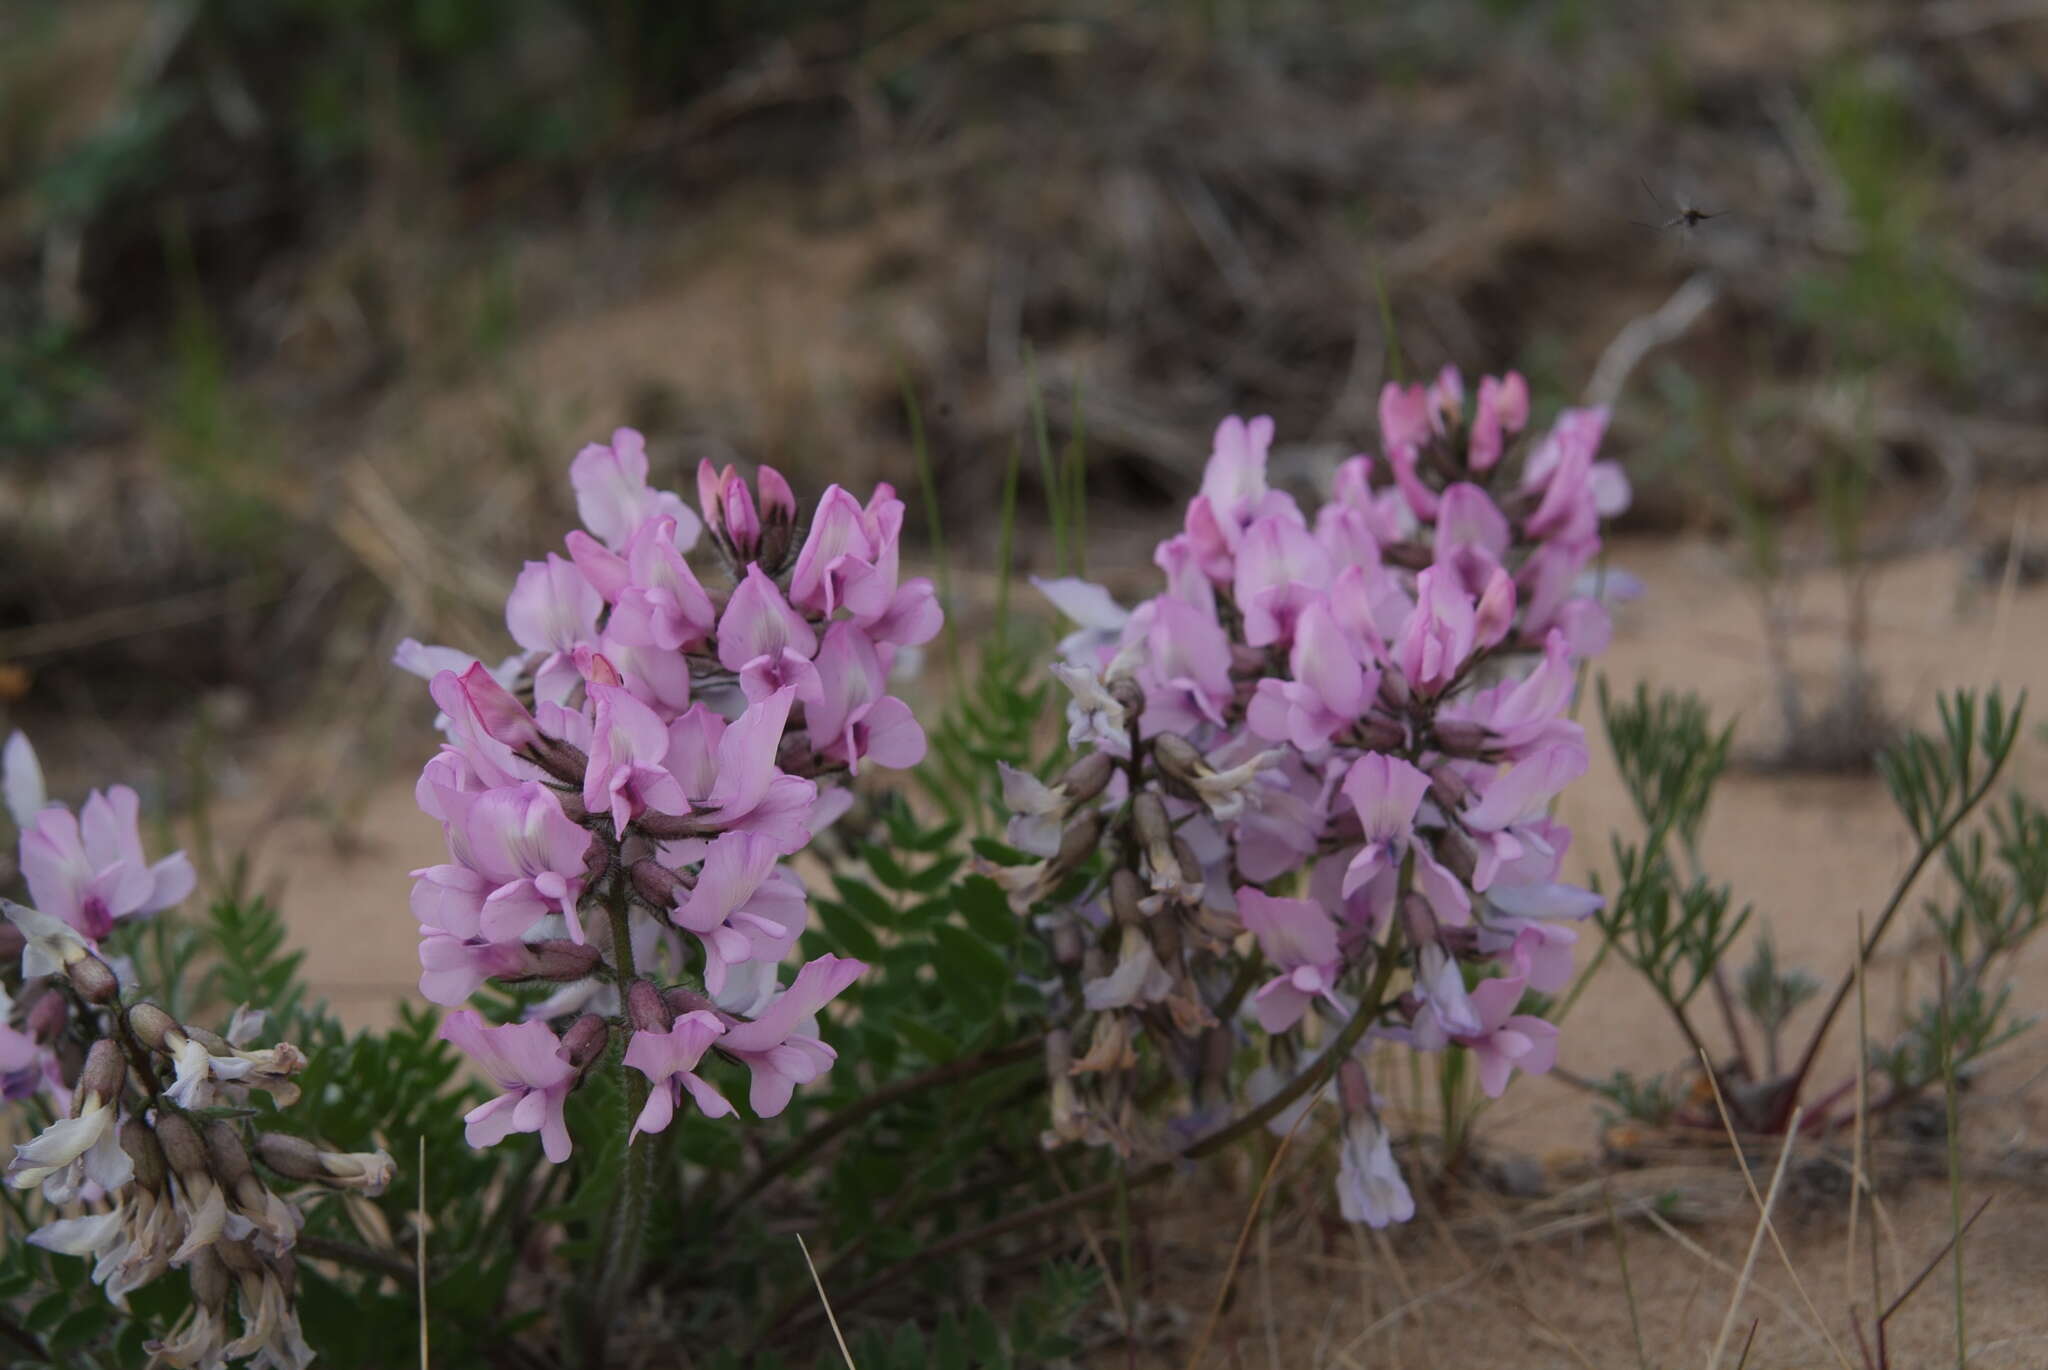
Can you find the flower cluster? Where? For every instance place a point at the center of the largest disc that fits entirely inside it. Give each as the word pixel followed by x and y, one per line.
pixel 620 796
pixel 1323 762
pixel 149 1172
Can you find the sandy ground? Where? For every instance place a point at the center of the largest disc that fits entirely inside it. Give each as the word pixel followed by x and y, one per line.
pixel 1811 853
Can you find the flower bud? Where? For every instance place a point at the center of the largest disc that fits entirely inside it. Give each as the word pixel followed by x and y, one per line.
pixel 1166 944
pixel 12 942
pixel 1125 890
pixel 48 1015
pixel 102 1077
pixel 1447 788
pixel 1088 777
pixel 647 1010
pixel 1067 947
pixel 1379 734
pixel 209 1277
pixel 94 980
pixel 1418 920
pixel 139 1142
pixel 1178 759
pixel 153 1027
pixel 565 761
pixel 682 999
pixel 183 1149
pixel 238 1258
pixel 1408 555
pixel 560 960
pixel 1190 865
pixel 1129 696
pixel 1394 690
pixel 657 884
pixel 226 1157
pixel 295 1158
pixel 1455 850
pixel 1077 844
pixel 1148 815
pixel 585 1041
pixel 1461 737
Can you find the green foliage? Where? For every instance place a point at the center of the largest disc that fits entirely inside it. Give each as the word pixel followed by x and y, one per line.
pixel 1936 781
pixel 1669 757
pixel 998 716
pixel 1653 1099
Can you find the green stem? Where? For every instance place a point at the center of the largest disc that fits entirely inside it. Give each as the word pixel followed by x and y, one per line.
pixel 626 1227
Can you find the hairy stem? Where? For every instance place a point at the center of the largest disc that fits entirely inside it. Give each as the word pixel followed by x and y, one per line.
pixel 626 1227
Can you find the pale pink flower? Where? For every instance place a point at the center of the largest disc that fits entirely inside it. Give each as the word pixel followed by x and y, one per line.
pixel 1299 937
pixel 781 1046
pixel 524 1060
pixel 613 498
pixel 669 1061
pixel 89 870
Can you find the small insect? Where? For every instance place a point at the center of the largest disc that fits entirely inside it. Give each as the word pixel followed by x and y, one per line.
pixel 1685 220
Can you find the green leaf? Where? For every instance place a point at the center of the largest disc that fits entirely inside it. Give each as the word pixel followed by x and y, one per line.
pixel 969 969
pixel 847 930
pixel 986 909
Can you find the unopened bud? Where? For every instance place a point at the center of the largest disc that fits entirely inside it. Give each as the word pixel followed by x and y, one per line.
pixel 94 980
pixel 1461 737
pixel 1418 919
pixel 564 761
pixel 226 1157
pixel 1447 788
pixel 1190 866
pixel 152 1026
pixel 1458 855
pixel 1409 556
pixel 1380 734
pixel 209 1277
pixel 682 999
pixel 1087 777
pixel 103 1075
pixel 1394 690
pixel 560 960
pixel 1129 696
pixel 646 1008
pixel 1354 1090
pixel 657 884
pixel 1066 944
pixel 183 1150
pixel 238 1258
pixel 1166 944
pixel 1125 890
pixel 1148 814
pixel 140 1144
pixel 585 1041
pixel 1077 843
pixel 49 1015
pixel 1178 759
pixel 295 1158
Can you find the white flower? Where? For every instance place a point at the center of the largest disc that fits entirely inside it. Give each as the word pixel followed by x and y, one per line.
pixel 21 779
pixel 73 1150
pixel 52 943
pixel 1369 1185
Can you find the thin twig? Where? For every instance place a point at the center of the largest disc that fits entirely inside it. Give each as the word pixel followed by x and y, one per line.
pixel 837 1335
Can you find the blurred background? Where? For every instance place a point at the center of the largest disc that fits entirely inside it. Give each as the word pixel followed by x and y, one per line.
pixel 304 304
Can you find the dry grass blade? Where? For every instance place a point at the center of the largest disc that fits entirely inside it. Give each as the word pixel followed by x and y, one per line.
pixel 1628 1288
pixel 830 1317
pixel 1932 1265
pixel 1735 1144
pixel 1243 1235
pixel 1747 1343
pixel 1862 1125
pixel 1756 1242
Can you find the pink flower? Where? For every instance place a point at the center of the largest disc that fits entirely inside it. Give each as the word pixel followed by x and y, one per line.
pixel 732 512
pixel 89 870
pixel 553 607
pixel 728 772
pixel 1233 494
pixel 1404 417
pixel 613 498
pixel 1281 568
pixel 661 605
pixel 1330 689
pixel 1562 468
pixel 453 968
pixel 849 559
pixel 1299 937
pixel 1387 793
pixel 1505 1039
pixel 781 1046
pixel 1186 673
pixel 767 643
pixel 1503 409
pixel 854 718
pixel 524 1061
pixel 669 1061
pixel 625 775
pixel 1527 924
pixel 518 858
pixel 1439 636
pixel 744 906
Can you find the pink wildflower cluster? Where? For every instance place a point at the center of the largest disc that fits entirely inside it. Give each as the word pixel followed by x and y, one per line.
pixel 143 1167
pixel 620 796
pixel 1324 760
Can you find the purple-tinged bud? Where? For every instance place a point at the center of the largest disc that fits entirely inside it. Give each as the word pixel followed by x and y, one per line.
pixel 1129 696
pixel 1077 844
pixel 295 1158
pixel 209 1277
pixel 1067 947
pixel 1166 944
pixel 1418 920
pixel 183 1150
pixel 94 980
pixel 1458 855
pixel 1394 690
pixel 103 1076
pixel 682 999
pixel 1461 737
pixel 1409 556
pixel 647 1010
pixel 585 1041
pixel 1178 758
pixel 1087 777
pixel 1447 788
pixel 226 1157
pixel 1190 864
pixel 565 761
pixel 151 1171
pixel 1354 1090
pixel 656 883
pixel 560 961
pixel 1148 816
pixel 1125 890
pixel 1380 734
pixel 153 1027
pixel 13 941
pixel 49 1015
pixel 238 1257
